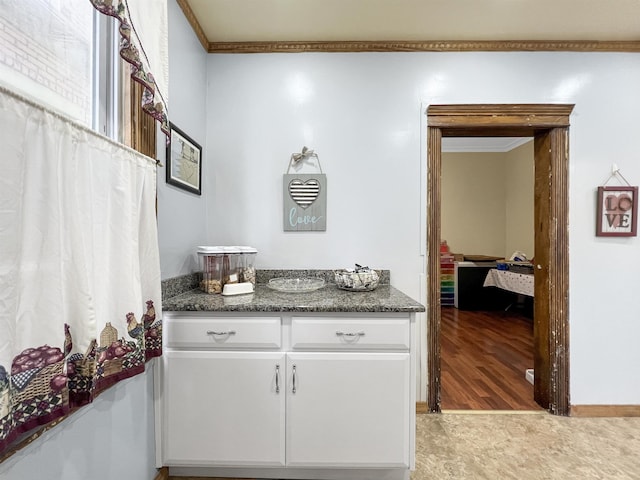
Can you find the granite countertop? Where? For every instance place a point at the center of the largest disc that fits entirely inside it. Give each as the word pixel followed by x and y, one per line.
pixel 329 298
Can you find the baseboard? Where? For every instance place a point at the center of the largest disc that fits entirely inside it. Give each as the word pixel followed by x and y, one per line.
pixel 578 410
pixel 604 410
pixel 163 474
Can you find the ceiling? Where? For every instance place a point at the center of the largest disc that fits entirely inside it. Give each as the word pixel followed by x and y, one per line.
pixel 223 21
pixel 482 144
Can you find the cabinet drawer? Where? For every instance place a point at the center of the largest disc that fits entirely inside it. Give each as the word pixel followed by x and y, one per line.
pixel 224 332
pixel 350 333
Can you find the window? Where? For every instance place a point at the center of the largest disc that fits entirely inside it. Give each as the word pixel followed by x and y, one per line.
pixel 117 99
pixel 107 78
pixel 45 53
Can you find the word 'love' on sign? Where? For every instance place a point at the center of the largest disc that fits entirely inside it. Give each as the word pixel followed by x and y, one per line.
pixel 617 212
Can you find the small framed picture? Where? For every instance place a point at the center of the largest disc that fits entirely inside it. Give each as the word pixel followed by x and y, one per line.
pixel 617 213
pixel 184 161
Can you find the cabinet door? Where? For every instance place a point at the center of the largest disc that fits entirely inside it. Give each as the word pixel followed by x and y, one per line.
pixel 223 408
pixel 348 409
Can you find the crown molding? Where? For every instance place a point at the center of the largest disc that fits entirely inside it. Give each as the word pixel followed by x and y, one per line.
pixel 426 46
pixel 405 45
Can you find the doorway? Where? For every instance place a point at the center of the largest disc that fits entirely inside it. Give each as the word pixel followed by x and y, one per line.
pixel 486 344
pixel 549 125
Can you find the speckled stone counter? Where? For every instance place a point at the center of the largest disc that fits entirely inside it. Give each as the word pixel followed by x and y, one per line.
pixel 329 298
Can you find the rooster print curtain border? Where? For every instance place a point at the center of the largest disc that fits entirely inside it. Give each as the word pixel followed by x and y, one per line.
pixel 79 266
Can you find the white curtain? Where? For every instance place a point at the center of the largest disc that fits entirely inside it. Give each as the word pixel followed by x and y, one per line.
pixel 79 265
pixel 150 23
pixel 144 44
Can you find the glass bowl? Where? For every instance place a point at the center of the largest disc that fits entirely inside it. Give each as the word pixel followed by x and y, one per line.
pixel 295 285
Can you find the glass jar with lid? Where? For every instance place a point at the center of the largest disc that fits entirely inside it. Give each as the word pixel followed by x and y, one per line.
pixel 247 269
pixel 231 265
pixel 211 265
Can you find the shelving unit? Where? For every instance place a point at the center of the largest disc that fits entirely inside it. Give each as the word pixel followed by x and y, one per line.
pixel 446 275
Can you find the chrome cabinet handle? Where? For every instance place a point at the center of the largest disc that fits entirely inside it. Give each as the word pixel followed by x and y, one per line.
pixel 277 378
pixel 293 390
pixel 228 332
pixel 349 334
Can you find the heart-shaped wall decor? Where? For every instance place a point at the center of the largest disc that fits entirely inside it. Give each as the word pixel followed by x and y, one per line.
pixel 304 193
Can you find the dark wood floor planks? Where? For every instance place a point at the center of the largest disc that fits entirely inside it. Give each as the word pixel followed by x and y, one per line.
pixel 484 356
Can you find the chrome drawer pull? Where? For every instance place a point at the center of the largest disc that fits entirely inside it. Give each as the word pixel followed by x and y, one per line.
pixel 213 332
pixel 293 390
pixel 277 378
pixel 349 334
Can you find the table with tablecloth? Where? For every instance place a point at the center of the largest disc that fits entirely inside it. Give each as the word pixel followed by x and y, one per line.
pixel 521 283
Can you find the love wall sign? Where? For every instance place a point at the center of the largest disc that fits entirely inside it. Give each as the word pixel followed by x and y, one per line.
pixel 617 212
pixel 305 202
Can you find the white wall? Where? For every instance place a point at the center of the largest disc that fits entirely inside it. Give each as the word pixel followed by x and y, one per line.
pixel 182 216
pixel 362 113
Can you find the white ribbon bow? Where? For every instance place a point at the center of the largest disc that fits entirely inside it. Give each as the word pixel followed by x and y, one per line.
pixel 304 155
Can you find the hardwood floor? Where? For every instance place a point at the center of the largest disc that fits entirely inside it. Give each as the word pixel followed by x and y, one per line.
pixel 484 356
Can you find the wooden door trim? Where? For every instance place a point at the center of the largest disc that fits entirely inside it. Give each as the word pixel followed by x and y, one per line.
pixel 434 185
pixel 558 272
pixel 551 120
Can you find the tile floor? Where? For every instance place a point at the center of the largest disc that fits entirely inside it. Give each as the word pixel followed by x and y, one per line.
pixel 474 445
pixel 523 446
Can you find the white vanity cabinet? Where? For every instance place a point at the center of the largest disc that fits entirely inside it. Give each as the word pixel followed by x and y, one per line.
pixel 222 408
pixel 348 410
pixel 287 395
pixel 348 397
pixel 221 399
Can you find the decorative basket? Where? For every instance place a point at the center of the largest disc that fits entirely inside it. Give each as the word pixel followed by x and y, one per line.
pixel 40 383
pixel 86 367
pixel 357 281
pixel 110 367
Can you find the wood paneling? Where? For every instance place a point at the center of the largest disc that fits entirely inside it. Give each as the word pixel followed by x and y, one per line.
pixel 143 126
